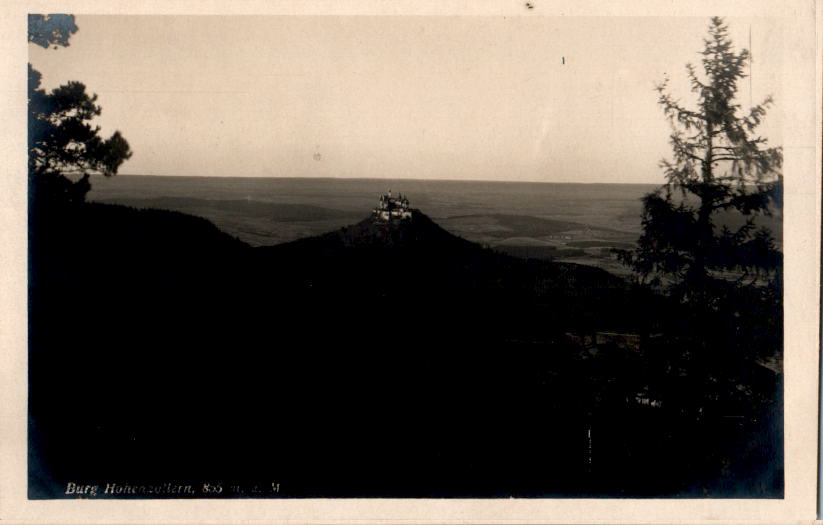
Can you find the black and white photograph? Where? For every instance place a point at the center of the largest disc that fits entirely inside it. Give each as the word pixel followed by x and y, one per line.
pixel 521 256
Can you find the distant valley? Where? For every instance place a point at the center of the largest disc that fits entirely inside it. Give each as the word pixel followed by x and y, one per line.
pixel 569 222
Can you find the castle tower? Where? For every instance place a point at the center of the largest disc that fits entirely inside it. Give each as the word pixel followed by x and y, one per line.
pixel 392 209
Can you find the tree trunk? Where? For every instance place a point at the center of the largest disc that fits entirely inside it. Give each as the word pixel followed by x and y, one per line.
pixel 704 223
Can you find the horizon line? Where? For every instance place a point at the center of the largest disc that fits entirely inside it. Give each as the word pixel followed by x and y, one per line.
pixel 372 179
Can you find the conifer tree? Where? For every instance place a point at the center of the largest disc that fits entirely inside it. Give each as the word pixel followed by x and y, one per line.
pixel 720 168
pixel 62 138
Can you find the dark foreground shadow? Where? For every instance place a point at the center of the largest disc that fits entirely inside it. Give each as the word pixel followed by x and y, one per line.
pixel 168 359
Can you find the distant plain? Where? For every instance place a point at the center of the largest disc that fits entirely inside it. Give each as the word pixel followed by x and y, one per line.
pixel 569 222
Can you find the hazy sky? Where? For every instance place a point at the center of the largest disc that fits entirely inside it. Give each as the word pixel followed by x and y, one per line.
pixel 395 97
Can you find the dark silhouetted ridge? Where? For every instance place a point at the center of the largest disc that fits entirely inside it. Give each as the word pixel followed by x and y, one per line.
pixel 381 359
pixel 419 231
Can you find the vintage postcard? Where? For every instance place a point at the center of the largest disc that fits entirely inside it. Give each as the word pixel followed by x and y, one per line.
pixel 523 262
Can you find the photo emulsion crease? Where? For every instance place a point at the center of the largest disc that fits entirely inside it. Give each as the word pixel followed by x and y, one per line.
pixel 405 257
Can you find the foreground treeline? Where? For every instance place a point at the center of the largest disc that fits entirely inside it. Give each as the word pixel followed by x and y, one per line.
pixel 375 361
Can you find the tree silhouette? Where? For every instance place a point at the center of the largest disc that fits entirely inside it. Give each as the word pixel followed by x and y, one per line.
pixel 47 30
pixel 720 166
pixel 61 137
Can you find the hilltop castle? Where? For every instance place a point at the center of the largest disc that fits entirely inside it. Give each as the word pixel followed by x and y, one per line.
pixel 392 209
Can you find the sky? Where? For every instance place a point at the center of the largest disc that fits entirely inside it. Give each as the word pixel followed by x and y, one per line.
pixel 550 99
